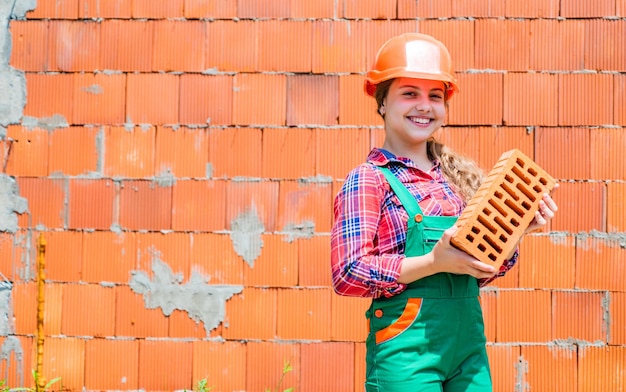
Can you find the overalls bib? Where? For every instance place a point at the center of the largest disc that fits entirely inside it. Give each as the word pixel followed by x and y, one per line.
pixel 430 337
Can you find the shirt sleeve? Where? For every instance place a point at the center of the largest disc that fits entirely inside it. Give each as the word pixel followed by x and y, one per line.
pixel 504 268
pixel 358 269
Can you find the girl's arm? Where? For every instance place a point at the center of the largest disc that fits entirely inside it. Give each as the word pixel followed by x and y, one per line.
pixel 358 268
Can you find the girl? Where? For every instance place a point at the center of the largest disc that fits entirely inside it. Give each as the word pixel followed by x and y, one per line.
pixel 394 218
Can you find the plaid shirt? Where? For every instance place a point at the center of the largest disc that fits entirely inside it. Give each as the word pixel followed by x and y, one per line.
pixel 369 234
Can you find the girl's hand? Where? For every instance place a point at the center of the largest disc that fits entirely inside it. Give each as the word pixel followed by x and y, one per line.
pixel 443 258
pixel 447 258
pixel 547 210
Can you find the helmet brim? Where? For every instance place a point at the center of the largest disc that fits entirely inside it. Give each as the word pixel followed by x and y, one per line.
pixel 373 78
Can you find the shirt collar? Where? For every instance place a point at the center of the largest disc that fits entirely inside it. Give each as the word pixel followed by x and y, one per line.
pixel 382 157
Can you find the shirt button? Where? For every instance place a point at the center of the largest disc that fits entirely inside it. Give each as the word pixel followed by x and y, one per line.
pixel 418 218
pixel 378 313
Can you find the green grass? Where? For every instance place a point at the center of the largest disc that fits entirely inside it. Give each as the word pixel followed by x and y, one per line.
pixel 201 386
pixel 286 369
pixel 5 388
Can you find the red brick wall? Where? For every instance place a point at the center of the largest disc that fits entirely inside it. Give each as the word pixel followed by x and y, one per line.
pixel 182 115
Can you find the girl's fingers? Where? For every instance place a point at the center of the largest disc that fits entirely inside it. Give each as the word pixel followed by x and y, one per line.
pixel 483 267
pixel 540 219
pixel 550 203
pixel 544 210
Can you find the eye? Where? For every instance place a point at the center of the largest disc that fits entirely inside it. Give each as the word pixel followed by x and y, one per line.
pixel 436 96
pixel 409 94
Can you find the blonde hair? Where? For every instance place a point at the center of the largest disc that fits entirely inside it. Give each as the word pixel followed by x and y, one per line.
pixel 462 172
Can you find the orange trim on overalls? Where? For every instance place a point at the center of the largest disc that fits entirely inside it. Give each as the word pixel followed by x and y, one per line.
pixel 405 320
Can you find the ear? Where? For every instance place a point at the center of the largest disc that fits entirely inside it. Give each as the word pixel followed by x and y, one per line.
pixel 381 110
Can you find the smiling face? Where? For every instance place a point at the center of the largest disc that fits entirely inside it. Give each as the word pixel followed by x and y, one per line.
pixel 413 110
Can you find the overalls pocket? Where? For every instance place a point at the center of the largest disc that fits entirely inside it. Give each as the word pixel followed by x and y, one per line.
pixel 389 320
pixel 432 228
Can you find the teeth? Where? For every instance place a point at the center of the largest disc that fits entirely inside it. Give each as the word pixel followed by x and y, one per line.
pixel 420 120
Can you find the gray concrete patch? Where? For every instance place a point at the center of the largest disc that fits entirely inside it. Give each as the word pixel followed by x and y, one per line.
pixel 6 315
pixel 12 81
pixel 246 231
pixel 203 302
pixel 12 345
pixel 11 204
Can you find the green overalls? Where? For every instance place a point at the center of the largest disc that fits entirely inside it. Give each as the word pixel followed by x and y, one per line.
pixel 430 337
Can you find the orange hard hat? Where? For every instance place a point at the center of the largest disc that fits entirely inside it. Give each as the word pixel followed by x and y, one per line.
pixel 412 55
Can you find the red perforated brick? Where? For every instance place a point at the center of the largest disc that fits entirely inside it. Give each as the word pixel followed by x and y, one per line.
pixel 504 205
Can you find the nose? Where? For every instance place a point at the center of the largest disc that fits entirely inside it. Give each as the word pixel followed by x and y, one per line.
pixel 423 104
